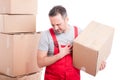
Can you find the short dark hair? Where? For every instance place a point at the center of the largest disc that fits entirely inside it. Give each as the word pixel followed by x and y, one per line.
pixel 58 10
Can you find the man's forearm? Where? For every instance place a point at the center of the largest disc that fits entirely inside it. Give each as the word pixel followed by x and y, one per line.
pixel 48 60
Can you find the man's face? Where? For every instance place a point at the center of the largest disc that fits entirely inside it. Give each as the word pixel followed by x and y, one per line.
pixel 59 23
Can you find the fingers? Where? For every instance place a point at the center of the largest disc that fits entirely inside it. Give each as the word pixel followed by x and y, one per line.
pixel 59 46
pixel 69 45
pixel 65 49
pixel 103 65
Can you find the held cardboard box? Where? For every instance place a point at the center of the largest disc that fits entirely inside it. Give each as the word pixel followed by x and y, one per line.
pixel 34 76
pixel 92 46
pixel 18 6
pixel 18 53
pixel 17 23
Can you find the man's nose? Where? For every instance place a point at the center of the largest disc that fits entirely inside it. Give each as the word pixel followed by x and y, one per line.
pixel 55 27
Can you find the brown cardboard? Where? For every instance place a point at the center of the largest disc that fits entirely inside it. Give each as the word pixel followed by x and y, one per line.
pixel 92 46
pixel 18 6
pixel 18 53
pixel 34 76
pixel 17 23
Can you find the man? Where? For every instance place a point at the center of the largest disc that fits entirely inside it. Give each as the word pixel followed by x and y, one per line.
pixel 55 47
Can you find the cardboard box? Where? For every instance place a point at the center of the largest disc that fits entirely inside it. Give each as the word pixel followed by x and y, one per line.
pixel 18 6
pixel 18 53
pixel 34 76
pixel 92 46
pixel 17 23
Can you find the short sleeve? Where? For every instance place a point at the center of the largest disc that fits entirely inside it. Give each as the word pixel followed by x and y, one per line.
pixel 43 42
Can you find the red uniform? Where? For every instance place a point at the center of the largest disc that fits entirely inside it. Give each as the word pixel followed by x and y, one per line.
pixel 62 69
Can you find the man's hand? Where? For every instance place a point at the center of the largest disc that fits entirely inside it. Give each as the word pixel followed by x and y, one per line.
pixel 103 65
pixel 65 50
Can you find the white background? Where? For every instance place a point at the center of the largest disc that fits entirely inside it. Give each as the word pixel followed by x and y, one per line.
pixel 80 13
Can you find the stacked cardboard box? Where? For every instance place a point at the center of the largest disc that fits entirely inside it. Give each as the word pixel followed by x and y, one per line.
pixel 33 76
pixel 18 6
pixel 92 46
pixel 18 39
pixel 17 23
pixel 18 53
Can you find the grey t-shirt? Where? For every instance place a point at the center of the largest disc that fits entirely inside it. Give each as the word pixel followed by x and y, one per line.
pixel 46 41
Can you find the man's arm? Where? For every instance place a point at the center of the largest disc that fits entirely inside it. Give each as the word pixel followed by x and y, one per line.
pixel 44 60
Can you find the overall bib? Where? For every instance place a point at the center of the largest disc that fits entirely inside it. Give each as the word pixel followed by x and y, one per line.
pixel 62 69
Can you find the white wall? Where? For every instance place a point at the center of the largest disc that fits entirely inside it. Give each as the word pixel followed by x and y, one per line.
pixel 80 13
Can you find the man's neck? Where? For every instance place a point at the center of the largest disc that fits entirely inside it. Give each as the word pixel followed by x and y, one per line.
pixel 67 29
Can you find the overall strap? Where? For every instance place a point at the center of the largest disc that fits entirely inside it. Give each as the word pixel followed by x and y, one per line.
pixel 75 31
pixel 54 40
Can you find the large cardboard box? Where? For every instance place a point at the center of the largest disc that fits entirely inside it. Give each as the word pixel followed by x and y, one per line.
pixel 18 53
pixel 17 23
pixel 34 76
pixel 18 6
pixel 92 46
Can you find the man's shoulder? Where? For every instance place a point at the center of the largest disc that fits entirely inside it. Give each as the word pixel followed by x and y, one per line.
pixel 78 28
pixel 45 32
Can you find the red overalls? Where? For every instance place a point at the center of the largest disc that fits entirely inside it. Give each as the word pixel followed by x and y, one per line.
pixel 62 69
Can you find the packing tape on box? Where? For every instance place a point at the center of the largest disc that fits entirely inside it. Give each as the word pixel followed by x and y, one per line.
pixel 8 42
pixel 22 35
pixel 1 24
pixel 8 71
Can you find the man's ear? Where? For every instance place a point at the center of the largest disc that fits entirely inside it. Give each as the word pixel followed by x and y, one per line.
pixel 66 19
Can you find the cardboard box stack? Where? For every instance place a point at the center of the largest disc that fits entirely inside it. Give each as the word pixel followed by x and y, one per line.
pixel 18 40
pixel 92 46
pixel 33 76
pixel 18 16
